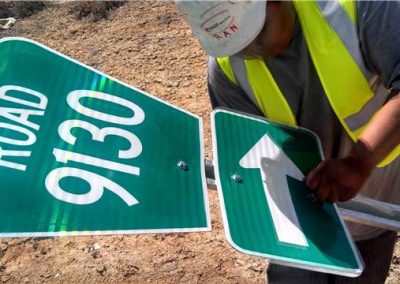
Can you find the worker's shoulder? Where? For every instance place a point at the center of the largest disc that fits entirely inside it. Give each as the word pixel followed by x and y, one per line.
pixel 214 70
pixel 212 62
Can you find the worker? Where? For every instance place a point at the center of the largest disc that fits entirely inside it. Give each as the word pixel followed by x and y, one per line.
pixel 332 67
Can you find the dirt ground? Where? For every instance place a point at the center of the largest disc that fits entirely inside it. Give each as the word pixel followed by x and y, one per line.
pixel 147 45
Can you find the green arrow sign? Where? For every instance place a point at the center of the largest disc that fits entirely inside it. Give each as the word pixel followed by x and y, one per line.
pixel 82 153
pixel 260 167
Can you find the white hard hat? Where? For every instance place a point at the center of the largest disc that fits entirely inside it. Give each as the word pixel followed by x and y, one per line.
pixel 224 27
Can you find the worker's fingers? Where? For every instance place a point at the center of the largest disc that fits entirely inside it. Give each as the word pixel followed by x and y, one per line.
pixel 324 188
pixel 312 180
pixel 322 191
pixel 313 183
pixel 334 194
pixel 346 194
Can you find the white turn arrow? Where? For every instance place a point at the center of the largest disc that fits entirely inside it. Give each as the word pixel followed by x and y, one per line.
pixel 274 166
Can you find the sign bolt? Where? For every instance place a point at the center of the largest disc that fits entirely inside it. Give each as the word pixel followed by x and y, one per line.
pixel 311 196
pixel 183 166
pixel 237 178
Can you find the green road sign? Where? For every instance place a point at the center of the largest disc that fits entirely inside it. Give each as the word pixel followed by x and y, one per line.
pixel 259 171
pixel 82 153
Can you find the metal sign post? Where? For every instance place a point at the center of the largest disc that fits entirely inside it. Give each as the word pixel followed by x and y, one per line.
pixel 361 210
pixel 82 153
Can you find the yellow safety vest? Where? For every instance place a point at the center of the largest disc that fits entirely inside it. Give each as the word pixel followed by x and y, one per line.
pixel 338 61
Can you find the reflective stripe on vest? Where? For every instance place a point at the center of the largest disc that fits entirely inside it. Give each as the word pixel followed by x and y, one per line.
pixel 332 41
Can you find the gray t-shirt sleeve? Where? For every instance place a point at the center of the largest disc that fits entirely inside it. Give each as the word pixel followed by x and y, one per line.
pixel 379 32
pixel 223 93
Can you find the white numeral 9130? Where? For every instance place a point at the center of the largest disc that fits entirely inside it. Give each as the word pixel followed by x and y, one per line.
pixel 97 182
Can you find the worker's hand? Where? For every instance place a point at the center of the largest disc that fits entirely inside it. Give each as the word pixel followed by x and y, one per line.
pixel 338 179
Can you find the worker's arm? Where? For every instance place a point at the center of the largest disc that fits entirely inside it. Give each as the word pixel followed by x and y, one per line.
pixel 341 179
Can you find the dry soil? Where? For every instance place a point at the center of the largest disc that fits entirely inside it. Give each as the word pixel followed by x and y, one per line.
pixel 147 45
